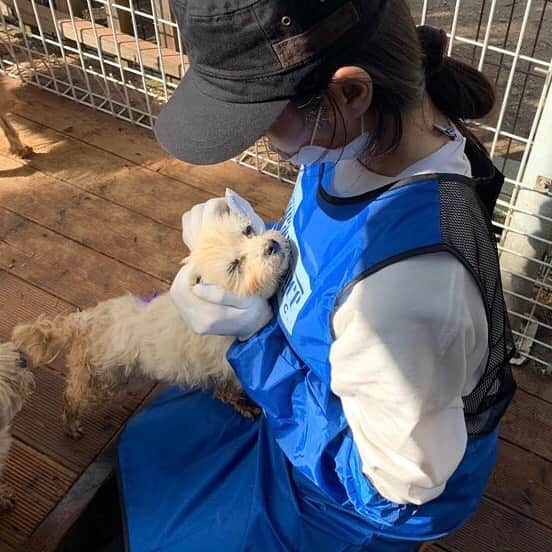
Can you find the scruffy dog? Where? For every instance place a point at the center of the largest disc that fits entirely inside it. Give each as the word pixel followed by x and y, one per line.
pixel 127 337
pixel 16 383
pixel 6 104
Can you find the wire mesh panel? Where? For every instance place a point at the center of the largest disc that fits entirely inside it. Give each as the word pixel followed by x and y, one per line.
pixel 121 58
pixel 125 58
pixel 511 42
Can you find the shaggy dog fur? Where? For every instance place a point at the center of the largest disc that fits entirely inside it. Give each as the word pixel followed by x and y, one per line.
pixel 126 337
pixel 16 383
pixel 6 104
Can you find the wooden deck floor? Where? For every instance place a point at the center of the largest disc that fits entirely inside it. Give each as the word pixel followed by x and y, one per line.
pixel 96 212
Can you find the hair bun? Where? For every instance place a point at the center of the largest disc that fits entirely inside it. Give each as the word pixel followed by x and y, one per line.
pixel 434 46
pixel 457 89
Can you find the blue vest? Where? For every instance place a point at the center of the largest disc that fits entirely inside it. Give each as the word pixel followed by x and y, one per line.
pixel 285 368
pixel 195 475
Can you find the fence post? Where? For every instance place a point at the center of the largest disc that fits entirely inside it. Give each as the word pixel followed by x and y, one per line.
pixel 121 19
pixel 169 38
pixel 76 5
pixel 532 228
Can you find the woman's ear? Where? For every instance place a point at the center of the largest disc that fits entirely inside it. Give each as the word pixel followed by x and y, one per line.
pixel 352 88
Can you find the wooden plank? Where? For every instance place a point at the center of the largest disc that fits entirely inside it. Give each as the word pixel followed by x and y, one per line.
pixel 497 529
pixel 523 482
pixel 144 190
pixel 138 146
pixel 113 178
pixel 22 302
pixel 133 143
pixel 535 384
pixel 95 222
pixel 528 424
pixel 161 197
pixel 83 31
pixel 267 195
pixel 65 268
pixel 39 423
pixel 63 518
pixel 5 547
pixel 38 483
pixel 49 534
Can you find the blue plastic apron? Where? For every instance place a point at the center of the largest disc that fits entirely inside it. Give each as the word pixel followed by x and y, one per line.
pixel 195 476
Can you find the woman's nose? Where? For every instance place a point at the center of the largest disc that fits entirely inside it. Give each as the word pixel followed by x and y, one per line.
pixel 272 247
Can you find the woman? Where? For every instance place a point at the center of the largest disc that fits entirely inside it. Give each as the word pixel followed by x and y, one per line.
pixel 384 372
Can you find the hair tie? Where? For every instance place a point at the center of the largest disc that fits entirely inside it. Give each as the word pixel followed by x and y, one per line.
pixel 434 46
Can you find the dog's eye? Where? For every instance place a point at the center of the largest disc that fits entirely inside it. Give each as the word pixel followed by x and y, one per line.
pixel 233 266
pixel 198 280
pixel 248 231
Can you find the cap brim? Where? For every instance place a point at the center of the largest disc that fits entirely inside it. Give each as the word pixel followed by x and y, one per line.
pixel 202 130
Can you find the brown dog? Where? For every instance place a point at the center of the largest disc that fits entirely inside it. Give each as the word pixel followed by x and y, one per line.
pixel 7 101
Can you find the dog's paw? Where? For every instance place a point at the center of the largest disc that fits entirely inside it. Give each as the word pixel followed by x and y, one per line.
pixel 7 501
pixel 24 152
pixel 74 430
pixel 241 403
pixel 247 408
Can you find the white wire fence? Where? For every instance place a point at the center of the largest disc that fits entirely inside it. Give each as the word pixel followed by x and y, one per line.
pixel 125 58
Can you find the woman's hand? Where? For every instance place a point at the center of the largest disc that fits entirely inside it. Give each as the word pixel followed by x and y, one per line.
pixel 208 309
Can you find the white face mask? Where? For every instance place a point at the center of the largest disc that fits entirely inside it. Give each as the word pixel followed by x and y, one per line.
pixel 317 154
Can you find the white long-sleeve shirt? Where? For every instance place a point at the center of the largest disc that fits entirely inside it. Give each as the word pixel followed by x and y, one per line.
pixel 411 340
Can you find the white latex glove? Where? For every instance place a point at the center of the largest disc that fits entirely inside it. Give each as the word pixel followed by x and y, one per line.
pixel 193 220
pixel 210 310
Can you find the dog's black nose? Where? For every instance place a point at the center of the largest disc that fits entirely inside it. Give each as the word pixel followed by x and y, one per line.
pixel 21 361
pixel 272 247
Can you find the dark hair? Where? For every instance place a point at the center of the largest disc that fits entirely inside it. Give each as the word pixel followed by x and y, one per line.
pixel 403 62
pixel 457 89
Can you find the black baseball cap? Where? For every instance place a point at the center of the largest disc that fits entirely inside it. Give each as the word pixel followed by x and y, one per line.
pixel 248 59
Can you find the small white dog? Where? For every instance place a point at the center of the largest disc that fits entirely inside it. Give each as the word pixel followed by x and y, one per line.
pixel 16 384
pixel 127 337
